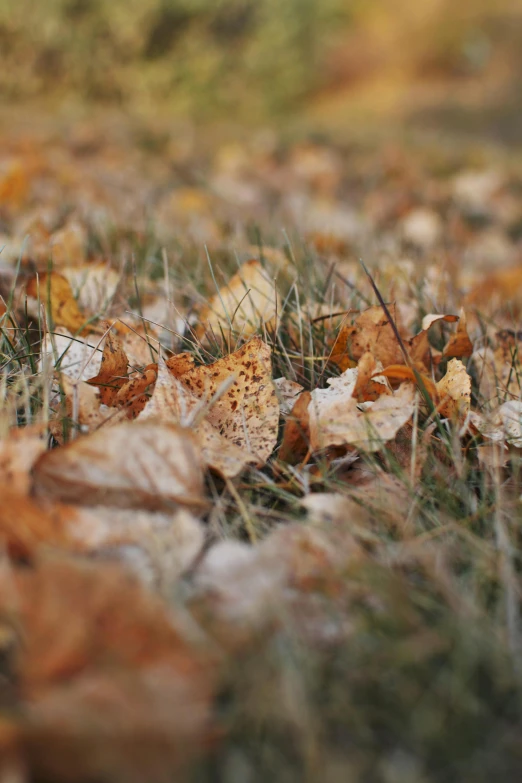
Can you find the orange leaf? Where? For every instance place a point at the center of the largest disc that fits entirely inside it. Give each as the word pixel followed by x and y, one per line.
pixel 113 371
pixel 54 289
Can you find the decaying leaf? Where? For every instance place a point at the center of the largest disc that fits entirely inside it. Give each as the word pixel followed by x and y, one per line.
pixel 134 395
pixel 246 302
pixel 147 465
pixel 26 525
pixel 157 546
pixel 113 370
pixel 83 411
pixel 247 413
pixel 54 289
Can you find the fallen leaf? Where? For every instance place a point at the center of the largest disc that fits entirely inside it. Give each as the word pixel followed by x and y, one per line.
pixel 454 391
pixel 248 301
pixel 503 425
pixel 336 418
pixel 158 547
pixel 459 344
pixel 54 289
pixel 76 357
pixel 296 435
pixel 247 413
pixel 499 368
pixel 83 412
pixel 287 393
pixel 113 370
pixel 94 285
pixel 120 693
pixel 147 465
pixel 134 395
pixel 371 332
pixel 18 452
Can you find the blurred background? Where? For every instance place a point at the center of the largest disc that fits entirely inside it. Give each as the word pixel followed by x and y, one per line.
pixel 434 64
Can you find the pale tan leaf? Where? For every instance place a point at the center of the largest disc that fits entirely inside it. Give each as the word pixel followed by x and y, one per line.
pixel 78 358
pixel 18 453
pixel 287 393
pixel 336 418
pixel 157 547
pixel 148 465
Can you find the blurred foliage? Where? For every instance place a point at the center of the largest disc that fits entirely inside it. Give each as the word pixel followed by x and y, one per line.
pixel 205 53
pixel 243 57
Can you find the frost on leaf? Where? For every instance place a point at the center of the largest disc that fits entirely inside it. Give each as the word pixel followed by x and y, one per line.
pixel 248 301
pixel 147 465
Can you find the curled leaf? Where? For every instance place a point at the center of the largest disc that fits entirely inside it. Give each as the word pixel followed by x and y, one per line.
pixel 113 370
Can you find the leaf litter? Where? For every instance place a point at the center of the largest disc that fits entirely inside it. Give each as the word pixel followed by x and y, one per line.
pixel 369 453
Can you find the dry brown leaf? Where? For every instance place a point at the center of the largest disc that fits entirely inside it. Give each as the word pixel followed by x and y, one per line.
pixel 94 284
pixel 493 292
pixel 54 289
pixel 26 525
pixel 119 694
pixel 113 370
pixel 147 465
pixel 134 395
pixel 398 373
pixel 459 344
pixel 180 364
pixel 296 435
pixel 454 391
pixel 248 301
pixel 157 547
pixel 371 382
pixel 370 332
pixel 336 418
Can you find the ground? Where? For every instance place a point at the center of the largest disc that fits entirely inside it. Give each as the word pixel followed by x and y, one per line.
pixel 260 456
